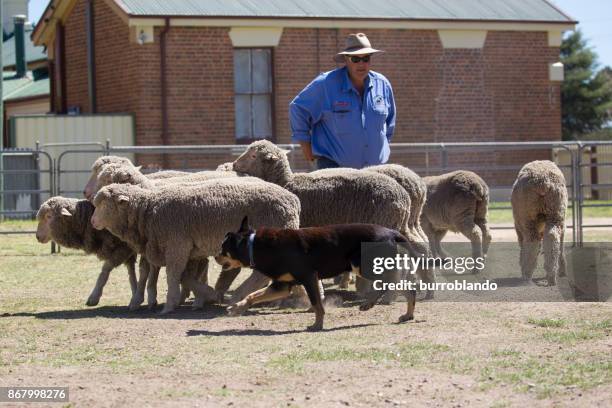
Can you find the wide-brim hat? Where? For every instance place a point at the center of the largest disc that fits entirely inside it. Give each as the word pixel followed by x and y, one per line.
pixel 356 44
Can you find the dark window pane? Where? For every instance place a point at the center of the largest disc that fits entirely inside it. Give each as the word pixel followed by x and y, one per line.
pixel 243 116
pixel 262 116
pixel 261 71
pixel 242 71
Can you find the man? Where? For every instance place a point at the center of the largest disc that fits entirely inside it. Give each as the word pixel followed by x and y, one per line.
pixel 345 117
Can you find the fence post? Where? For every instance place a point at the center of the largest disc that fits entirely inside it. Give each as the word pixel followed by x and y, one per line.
pixel 580 236
pixel 444 158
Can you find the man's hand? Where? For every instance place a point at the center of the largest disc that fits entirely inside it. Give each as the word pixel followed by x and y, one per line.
pixel 307 150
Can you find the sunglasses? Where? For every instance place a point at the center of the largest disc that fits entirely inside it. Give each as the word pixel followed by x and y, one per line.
pixel 355 59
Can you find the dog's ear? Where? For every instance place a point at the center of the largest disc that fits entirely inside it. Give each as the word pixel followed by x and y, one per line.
pixel 244 226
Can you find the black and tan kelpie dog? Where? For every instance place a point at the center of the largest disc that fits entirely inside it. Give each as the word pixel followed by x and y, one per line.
pixel 303 256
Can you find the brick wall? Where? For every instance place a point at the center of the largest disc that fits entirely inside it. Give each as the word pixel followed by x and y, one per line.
pixel 498 93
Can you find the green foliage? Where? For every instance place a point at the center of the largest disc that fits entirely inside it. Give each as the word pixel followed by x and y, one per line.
pixel 586 94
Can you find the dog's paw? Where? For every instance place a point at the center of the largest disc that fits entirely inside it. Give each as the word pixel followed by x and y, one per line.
pixel 92 301
pixel 406 318
pixel 236 310
pixel 315 327
pixel 366 306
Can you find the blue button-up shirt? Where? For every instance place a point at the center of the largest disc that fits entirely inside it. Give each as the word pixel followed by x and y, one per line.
pixel 350 129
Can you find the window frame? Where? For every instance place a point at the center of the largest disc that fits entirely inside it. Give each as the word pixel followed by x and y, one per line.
pixel 249 140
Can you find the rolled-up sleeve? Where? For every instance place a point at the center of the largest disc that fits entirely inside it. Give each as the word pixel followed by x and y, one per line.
pixel 305 110
pixel 391 116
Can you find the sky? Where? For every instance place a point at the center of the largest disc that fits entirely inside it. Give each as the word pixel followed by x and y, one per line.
pixel 594 16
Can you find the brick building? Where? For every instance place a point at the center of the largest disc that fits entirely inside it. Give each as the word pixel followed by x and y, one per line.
pixel 224 72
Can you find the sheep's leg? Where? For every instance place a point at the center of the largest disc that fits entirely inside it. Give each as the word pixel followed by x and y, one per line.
pixel 96 293
pixel 474 234
pixel 203 271
pixel 274 291
pixel 410 302
pixel 257 280
pixel 343 280
pixel 185 291
pixel 552 251
pixel 430 234
pixel 130 265
pixel 530 248
pixel 203 293
pixel 152 286
pixel 438 237
pixel 226 277
pixel 486 235
pixel 562 266
pixel 175 266
pixel 143 275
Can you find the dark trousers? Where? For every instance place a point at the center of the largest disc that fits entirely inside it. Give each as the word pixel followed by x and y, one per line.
pixel 322 162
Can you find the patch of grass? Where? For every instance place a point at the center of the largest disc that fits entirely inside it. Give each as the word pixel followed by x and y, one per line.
pixel 547 322
pixel 406 355
pixel 500 212
pixel 546 377
pixel 570 337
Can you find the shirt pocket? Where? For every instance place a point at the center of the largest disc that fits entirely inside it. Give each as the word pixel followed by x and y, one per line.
pixel 343 119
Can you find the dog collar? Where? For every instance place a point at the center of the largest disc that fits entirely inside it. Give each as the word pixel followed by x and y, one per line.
pixel 250 246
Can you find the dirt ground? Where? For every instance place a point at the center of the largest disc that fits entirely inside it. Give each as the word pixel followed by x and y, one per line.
pixel 456 354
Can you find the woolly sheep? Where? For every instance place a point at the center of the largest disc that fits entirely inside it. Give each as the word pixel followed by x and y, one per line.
pixel 458 202
pixel 128 174
pixel 175 224
pixel 332 196
pixel 67 222
pixel 539 203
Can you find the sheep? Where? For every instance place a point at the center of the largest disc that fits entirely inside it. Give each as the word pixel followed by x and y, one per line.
pixel 539 203
pixel 67 222
pixel 175 224
pixel 126 173
pixel 332 196
pixel 457 201
pixel 414 186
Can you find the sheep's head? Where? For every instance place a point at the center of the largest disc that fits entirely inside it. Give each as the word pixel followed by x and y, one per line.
pixel 115 173
pixel 50 214
pixel 111 204
pixel 98 166
pixel 262 159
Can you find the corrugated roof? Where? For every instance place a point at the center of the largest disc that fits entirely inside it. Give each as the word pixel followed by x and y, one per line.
pixel 26 87
pixel 496 10
pixel 33 53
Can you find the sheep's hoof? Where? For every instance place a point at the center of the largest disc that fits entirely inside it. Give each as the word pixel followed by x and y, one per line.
pixel 366 306
pixel 406 318
pixel 167 309
pixel 152 306
pixel 315 327
pixel 135 304
pixel 236 310
pixel 92 301
pixel 198 304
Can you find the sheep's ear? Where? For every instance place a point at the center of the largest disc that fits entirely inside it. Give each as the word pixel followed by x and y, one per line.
pixel 66 212
pixel 244 226
pixel 123 199
pixel 286 151
pixel 138 168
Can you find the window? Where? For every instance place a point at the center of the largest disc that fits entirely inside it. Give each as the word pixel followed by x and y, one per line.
pixel 253 93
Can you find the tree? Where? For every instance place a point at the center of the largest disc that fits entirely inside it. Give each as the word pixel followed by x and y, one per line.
pixel 586 95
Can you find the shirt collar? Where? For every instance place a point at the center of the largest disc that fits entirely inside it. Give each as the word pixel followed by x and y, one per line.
pixel 347 85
